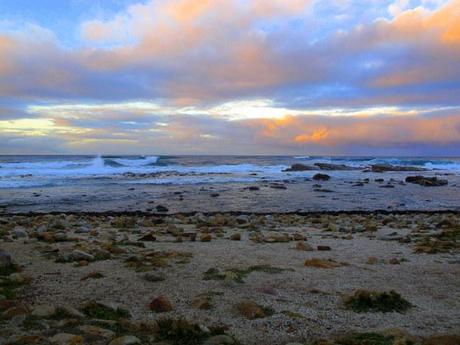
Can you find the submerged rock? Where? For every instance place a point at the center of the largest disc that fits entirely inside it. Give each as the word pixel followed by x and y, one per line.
pixel 321 177
pixel 328 166
pixel 426 181
pixel 300 167
pixel 379 168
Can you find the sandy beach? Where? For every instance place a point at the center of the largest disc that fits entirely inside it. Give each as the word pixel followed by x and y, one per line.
pixel 257 279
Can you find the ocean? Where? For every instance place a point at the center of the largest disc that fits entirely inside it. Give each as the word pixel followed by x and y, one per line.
pixel 62 170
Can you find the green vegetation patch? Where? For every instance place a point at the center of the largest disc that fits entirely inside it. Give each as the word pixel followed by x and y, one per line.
pixel 157 259
pixel 182 332
pixel 99 311
pixel 446 241
pixel 238 275
pixel 374 301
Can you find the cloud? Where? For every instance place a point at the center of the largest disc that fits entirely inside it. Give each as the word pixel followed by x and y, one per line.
pixel 100 128
pixel 286 75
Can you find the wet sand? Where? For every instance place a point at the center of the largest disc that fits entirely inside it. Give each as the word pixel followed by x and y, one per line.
pixel 343 192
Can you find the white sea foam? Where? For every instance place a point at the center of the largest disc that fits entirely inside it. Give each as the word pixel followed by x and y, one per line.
pixel 36 171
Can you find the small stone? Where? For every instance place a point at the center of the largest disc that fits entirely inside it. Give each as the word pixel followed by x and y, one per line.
pixel 14 311
pixel 20 232
pixel 5 259
pixel 44 311
pixel 276 237
pixel 125 340
pixel 66 339
pixel 78 255
pixel 161 208
pixel 60 237
pixel 298 237
pixel 97 331
pixel 372 260
pixel 221 339
pixel 205 238
pixel 161 304
pixel 303 246
pixel 323 248
pixel 154 277
pixel 202 302
pixel 72 312
pixel 148 238
pixel 236 237
pixel 19 278
pixel 242 219
pixel 250 310
pixel 394 261
pixel 323 263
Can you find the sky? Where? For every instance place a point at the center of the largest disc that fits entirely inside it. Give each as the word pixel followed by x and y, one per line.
pixel 336 77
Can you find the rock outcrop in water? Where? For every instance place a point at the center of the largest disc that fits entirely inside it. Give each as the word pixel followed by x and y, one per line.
pixel 426 181
pixel 379 168
pixel 329 166
pixel 300 167
pixel 321 177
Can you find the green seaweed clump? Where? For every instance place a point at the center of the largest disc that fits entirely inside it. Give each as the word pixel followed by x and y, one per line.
pixel 100 311
pixel 374 301
pixel 182 332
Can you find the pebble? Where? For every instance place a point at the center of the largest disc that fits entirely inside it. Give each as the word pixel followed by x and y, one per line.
pixel 5 259
pixel 14 311
pixel 303 246
pixel 44 311
pixel 97 331
pixel 20 232
pixel 236 237
pixel 20 278
pixel 78 255
pixel 71 311
pixel 205 238
pixel 201 302
pixel 66 339
pixel 160 304
pixel 276 237
pixel 125 340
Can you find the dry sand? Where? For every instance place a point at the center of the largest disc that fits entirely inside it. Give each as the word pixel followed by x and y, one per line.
pixel 307 301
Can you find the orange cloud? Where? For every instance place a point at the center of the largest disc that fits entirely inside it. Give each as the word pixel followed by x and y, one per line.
pixel 317 136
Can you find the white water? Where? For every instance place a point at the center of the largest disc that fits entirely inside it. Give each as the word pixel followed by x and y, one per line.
pixel 41 172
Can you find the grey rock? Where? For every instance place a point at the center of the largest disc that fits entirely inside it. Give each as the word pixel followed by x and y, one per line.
pixel 125 340
pixel 78 255
pixel 5 259
pixel 20 232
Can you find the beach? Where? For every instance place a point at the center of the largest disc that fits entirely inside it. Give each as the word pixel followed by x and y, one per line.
pixel 297 269
pixel 351 256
